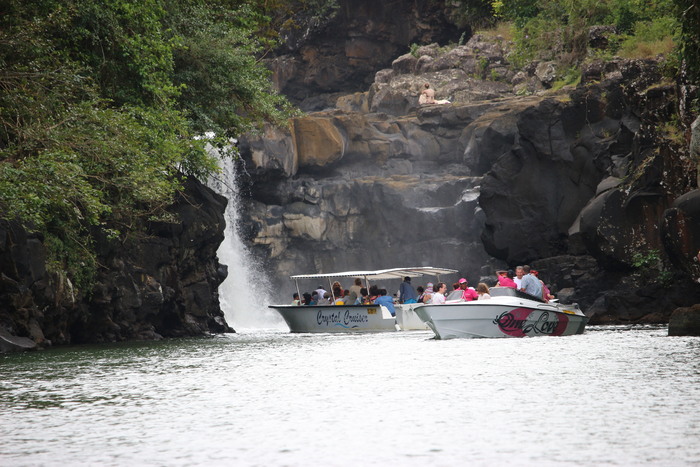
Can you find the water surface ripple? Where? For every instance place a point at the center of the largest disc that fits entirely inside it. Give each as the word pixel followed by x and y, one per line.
pixel 612 396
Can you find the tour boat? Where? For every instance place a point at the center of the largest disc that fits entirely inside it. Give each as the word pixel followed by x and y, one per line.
pixel 508 313
pixel 356 318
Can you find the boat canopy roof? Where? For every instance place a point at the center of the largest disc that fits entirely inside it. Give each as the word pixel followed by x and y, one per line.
pixel 394 273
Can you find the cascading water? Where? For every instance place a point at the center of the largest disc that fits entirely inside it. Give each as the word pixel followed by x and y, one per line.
pixel 245 294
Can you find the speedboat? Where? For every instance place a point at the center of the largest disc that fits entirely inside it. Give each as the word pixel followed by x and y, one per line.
pixel 356 318
pixel 508 313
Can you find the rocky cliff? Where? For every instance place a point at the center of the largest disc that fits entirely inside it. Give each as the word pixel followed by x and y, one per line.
pixel 161 284
pixel 324 57
pixel 586 183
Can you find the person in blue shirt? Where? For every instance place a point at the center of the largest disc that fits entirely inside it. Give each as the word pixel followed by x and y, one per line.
pixel 530 283
pixel 406 292
pixel 387 301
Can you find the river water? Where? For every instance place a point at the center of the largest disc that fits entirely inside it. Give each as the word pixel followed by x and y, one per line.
pixel 612 396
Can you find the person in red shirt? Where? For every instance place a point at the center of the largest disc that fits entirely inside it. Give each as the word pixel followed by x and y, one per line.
pixel 467 293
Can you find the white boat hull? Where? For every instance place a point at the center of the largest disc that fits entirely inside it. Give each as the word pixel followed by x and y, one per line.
pixel 337 318
pixel 502 317
pixel 407 319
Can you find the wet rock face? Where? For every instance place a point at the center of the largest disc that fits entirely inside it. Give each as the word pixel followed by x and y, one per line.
pixel 161 284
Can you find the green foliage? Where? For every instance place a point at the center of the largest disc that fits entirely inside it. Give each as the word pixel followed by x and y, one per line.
pixel 650 38
pixel 688 12
pixel 558 29
pixel 646 260
pixel 99 106
pixel 225 89
pixel 651 266
pixel 570 76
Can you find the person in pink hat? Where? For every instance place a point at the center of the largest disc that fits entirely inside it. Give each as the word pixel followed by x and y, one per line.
pixel 468 294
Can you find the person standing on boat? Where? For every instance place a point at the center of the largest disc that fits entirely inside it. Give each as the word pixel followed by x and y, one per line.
pixel 439 295
pixel 530 284
pixel 384 299
pixel 320 291
pixel 354 292
pixel 468 294
pixel 406 292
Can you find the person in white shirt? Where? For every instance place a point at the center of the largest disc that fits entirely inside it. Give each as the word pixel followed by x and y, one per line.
pixel 519 272
pixel 439 295
pixel 482 291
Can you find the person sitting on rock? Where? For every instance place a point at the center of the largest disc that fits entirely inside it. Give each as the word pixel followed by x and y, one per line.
pixel 427 96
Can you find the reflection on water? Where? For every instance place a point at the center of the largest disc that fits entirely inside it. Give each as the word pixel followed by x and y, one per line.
pixel 612 396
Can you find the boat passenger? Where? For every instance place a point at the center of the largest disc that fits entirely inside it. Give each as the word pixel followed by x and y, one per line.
pixel 439 296
pixel 530 284
pixel 355 291
pixel 406 292
pixel 320 291
pixel 428 294
pixel 363 298
pixel 340 298
pixel 307 298
pixel 384 299
pixel 519 272
pixel 505 279
pixel 483 291
pixel 295 299
pixel 326 300
pixel 468 293
pixel 314 298
pixel 373 293
pixel 420 291
pixel 546 294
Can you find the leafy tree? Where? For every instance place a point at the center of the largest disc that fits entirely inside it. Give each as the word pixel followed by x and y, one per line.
pixel 99 106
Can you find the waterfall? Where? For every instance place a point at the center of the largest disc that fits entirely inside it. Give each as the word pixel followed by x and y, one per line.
pixel 245 294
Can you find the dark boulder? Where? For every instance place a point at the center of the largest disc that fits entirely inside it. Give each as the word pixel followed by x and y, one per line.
pixel 685 321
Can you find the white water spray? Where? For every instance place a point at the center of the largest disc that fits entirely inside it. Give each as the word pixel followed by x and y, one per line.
pixel 245 294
